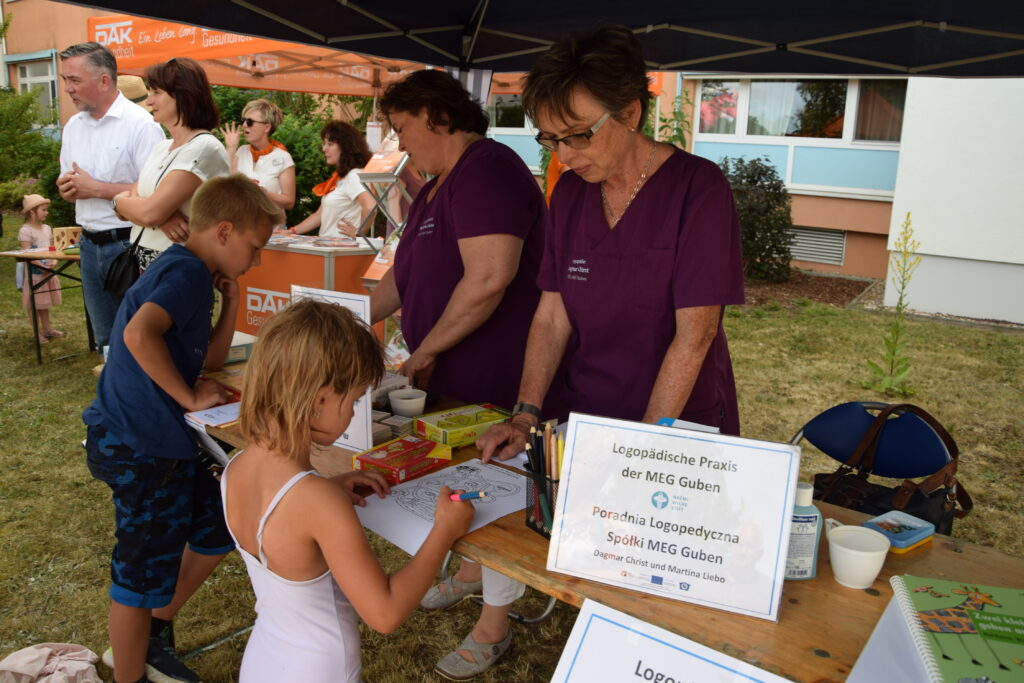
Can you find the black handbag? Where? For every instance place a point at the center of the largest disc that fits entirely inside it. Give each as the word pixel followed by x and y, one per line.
pixel 939 498
pixel 124 269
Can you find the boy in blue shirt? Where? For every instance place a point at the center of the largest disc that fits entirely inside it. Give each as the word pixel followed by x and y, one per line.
pixel 169 517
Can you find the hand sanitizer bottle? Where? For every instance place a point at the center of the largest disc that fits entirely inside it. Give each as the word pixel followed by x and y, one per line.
pixel 802 561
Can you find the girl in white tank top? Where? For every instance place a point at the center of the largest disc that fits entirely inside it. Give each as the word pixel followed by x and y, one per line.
pixel 310 564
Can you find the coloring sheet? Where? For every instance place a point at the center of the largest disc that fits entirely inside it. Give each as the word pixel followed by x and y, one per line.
pixel 406 516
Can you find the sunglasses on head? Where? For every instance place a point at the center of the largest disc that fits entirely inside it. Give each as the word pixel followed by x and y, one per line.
pixel 250 122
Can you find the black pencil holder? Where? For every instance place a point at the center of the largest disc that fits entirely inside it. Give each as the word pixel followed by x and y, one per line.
pixel 537 504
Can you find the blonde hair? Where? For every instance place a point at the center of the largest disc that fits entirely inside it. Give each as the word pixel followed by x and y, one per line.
pixel 301 349
pixel 270 112
pixel 233 198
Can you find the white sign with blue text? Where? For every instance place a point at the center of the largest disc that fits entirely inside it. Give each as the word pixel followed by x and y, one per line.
pixel 681 514
pixel 607 645
pixel 359 435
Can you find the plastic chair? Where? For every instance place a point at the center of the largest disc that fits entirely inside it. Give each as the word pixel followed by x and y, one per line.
pixel 907 448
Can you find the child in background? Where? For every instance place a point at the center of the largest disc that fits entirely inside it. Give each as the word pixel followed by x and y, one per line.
pixel 308 558
pixel 170 522
pixel 34 234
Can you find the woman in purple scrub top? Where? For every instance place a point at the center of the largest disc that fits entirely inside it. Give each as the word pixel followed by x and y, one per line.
pixel 642 253
pixel 465 278
pixel 466 265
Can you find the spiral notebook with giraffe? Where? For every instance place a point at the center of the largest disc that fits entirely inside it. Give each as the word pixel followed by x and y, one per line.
pixel 963 632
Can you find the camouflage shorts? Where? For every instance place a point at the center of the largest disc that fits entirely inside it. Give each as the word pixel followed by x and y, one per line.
pixel 160 504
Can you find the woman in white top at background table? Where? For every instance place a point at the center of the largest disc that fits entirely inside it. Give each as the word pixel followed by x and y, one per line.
pixel 263 160
pixel 159 203
pixel 346 203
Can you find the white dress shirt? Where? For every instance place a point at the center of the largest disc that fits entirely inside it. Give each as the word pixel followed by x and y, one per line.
pixel 111 149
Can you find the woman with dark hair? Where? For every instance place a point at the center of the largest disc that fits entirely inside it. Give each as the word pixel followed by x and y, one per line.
pixel 464 278
pixel 642 253
pixel 159 202
pixel 653 231
pixel 346 203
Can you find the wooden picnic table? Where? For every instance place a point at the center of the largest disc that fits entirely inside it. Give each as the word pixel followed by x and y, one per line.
pixel 60 270
pixel 822 625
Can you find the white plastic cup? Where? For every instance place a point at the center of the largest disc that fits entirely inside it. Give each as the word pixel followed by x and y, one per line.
pixel 407 402
pixel 857 553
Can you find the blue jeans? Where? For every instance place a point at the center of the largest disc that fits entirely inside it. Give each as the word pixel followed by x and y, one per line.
pixel 101 304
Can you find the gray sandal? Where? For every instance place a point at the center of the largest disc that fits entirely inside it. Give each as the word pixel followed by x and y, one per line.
pixel 453 667
pixel 456 592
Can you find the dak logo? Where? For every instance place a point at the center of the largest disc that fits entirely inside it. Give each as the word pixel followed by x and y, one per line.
pixel 265 300
pixel 115 33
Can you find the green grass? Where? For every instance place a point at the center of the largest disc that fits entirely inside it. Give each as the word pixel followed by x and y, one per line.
pixel 56 522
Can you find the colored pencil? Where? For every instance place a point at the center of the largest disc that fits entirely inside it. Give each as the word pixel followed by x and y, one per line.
pixel 468 495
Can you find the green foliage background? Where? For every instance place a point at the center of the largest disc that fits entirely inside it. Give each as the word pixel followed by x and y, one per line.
pixel 304 116
pixel 30 143
pixel 30 155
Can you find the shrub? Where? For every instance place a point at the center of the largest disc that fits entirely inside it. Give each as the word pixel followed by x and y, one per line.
pixel 766 225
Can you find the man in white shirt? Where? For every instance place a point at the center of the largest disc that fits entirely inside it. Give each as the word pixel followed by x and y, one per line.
pixel 102 151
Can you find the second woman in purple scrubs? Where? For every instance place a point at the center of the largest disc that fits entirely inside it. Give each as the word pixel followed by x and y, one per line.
pixel 642 254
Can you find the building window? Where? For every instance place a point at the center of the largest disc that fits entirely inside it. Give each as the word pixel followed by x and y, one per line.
pixel 818 245
pixel 38 76
pixel 880 110
pixel 718 106
pixel 807 109
pixel 869 110
pixel 507 111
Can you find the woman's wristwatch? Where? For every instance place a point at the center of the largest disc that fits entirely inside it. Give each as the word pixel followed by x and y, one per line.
pixel 528 408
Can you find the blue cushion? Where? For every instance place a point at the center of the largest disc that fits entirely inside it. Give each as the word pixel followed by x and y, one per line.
pixel 908 447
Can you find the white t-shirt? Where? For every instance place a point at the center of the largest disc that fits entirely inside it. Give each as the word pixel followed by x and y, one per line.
pixel 203 156
pixel 267 169
pixel 111 149
pixel 341 204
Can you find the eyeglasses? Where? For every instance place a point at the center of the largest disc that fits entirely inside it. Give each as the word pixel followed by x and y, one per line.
pixel 250 122
pixel 576 140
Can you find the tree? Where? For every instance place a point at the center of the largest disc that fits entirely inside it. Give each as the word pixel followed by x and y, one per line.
pixel 766 225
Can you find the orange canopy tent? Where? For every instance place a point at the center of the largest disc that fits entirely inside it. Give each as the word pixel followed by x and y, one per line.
pixel 243 61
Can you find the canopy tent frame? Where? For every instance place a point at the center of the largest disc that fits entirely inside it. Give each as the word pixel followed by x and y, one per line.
pixel 882 37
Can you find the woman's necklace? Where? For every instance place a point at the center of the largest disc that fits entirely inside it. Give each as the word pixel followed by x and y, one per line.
pixel 636 188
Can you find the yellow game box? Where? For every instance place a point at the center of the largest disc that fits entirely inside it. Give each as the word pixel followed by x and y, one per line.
pixel 460 426
pixel 403 458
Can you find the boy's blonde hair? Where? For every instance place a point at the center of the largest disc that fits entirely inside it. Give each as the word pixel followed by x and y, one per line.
pixel 233 198
pixel 301 349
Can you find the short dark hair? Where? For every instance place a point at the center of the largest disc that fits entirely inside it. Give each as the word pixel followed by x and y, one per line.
pixel 446 101
pixel 355 153
pixel 183 79
pixel 607 62
pixel 96 55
